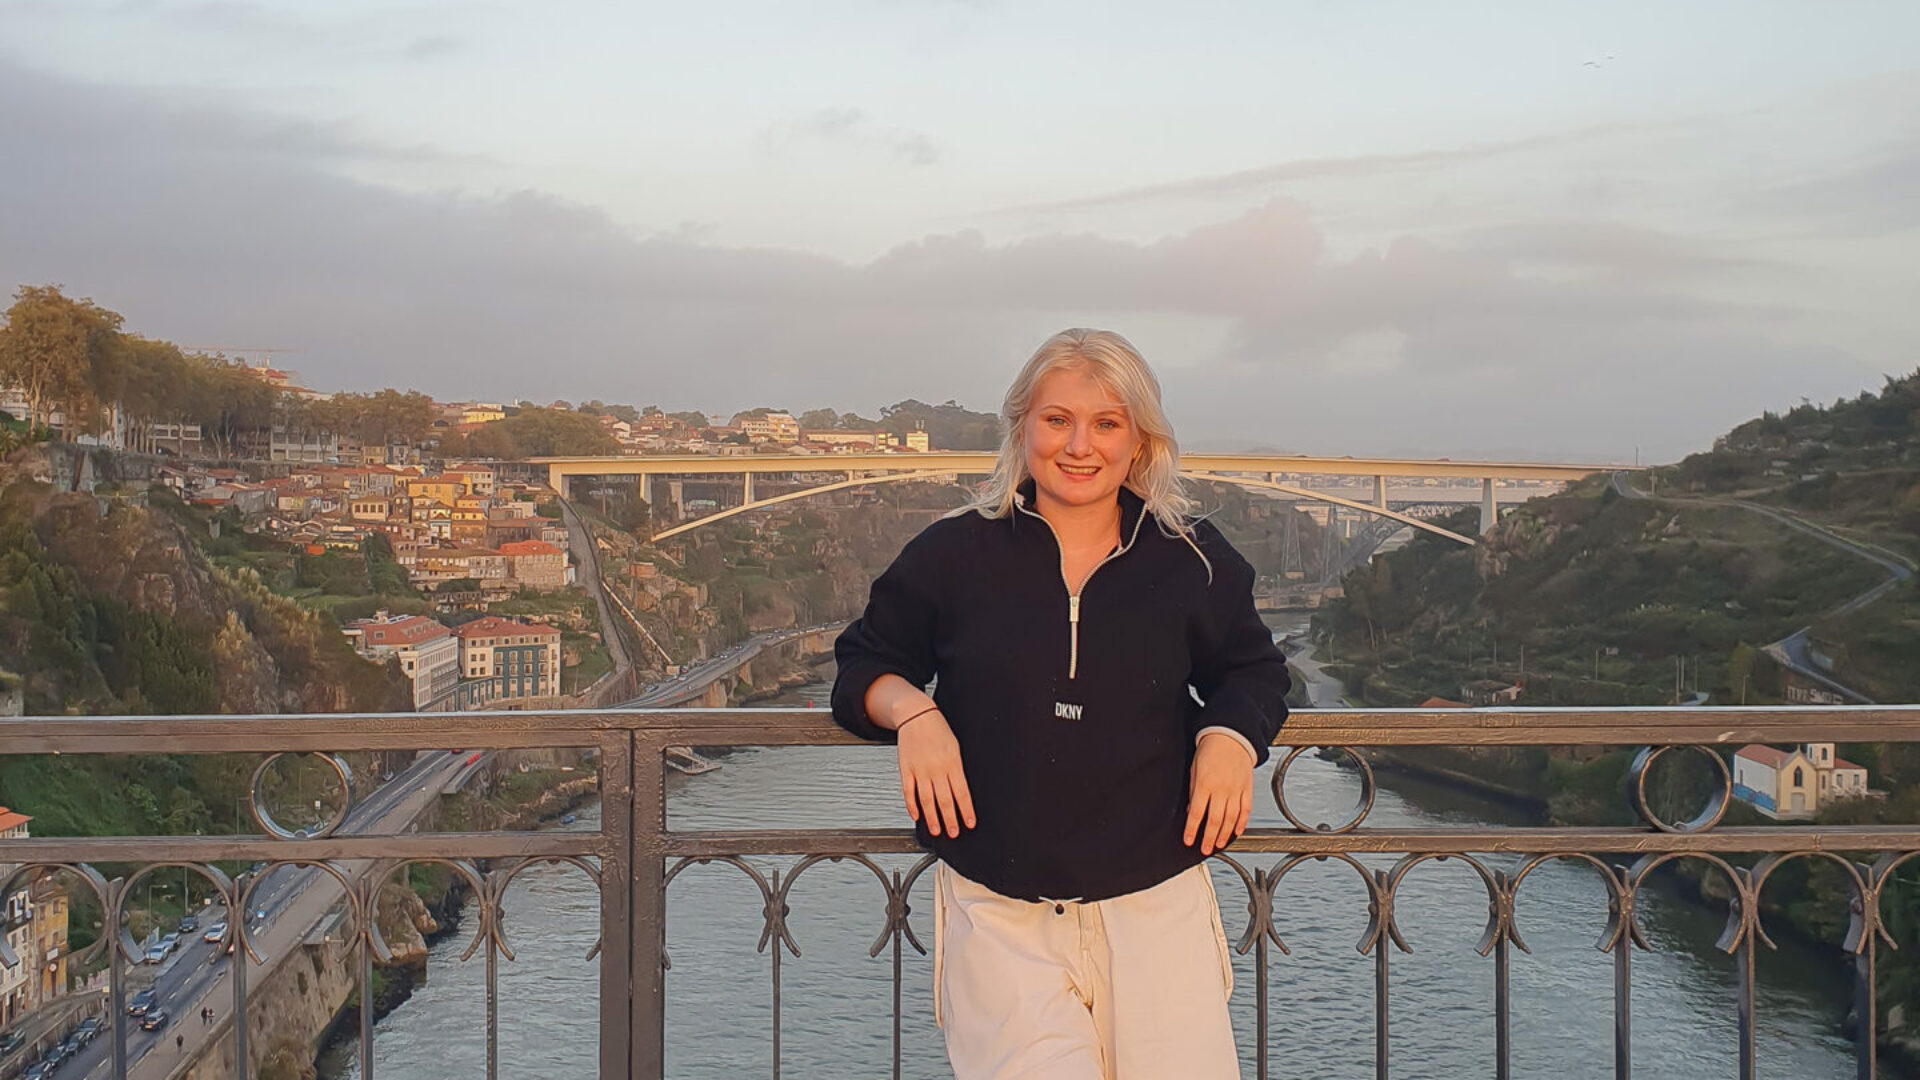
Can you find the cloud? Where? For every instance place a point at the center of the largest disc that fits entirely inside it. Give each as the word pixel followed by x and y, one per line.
pixel 406 31
pixel 1266 178
pixel 1875 192
pixel 208 224
pixel 851 127
pixel 434 46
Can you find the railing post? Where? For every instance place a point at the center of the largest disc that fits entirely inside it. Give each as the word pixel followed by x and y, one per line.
pixel 1623 1006
pixel 616 908
pixel 648 929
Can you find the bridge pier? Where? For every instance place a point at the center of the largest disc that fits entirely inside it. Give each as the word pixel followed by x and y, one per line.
pixel 1489 510
pixel 746 495
pixel 1380 492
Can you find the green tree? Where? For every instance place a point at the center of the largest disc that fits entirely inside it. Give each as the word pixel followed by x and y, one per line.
pixel 63 354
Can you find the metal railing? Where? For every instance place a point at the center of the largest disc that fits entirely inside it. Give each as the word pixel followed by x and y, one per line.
pixel 634 856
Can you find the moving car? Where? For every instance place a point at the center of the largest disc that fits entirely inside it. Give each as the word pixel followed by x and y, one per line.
pixel 154 1020
pixel 141 1002
pixel 215 933
pixel 189 922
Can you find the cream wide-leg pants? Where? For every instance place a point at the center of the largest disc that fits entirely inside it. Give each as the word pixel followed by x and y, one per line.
pixel 1132 988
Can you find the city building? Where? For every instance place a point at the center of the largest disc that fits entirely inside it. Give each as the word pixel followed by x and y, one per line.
pixel 16 946
pixel 370 508
pixel 536 564
pixel 434 565
pixel 1492 692
pixel 862 440
pixel 287 442
pixel 181 439
pixel 775 427
pixel 523 656
pixel 439 489
pixel 244 497
pixel 428 653
pixel 47 916
pixel 1795 783
pixel 479 479
pixel 918 440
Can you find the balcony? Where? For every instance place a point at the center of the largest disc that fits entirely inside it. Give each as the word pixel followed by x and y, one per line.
pixel 635 857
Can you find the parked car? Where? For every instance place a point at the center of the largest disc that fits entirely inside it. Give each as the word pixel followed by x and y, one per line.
pixel 215 933
pixel 10 1042
pixel 155 954
pixel 141 1002
pixel 169 942
pixel 154 1020
pixel 189 922
pixel 38 1072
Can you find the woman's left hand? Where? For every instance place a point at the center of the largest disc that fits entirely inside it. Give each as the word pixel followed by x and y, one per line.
pixel 1222 786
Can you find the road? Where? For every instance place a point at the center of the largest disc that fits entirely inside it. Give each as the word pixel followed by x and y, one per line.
pixel 1794 652
pixel 581 541
pixel 692 682
pixel 295 900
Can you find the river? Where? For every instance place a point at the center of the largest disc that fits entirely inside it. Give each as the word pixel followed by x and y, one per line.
pixel 836 1001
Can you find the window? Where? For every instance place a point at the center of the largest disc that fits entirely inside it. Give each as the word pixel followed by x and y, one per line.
pixel 1799 776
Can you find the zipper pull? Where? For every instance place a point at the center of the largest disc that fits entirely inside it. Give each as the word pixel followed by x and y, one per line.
pixel 1073 635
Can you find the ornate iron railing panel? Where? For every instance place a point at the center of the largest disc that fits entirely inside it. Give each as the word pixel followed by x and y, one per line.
pixel 634 856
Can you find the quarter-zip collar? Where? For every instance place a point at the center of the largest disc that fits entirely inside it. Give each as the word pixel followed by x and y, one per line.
pixel 1131 507
pixel 1133 511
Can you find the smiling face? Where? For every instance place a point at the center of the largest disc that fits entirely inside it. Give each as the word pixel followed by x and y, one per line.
pixel 1081 442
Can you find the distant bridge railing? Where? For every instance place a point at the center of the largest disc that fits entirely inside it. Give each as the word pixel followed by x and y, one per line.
pixel 635 855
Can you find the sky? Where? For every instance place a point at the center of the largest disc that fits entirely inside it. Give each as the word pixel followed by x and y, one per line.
pixel 1520 231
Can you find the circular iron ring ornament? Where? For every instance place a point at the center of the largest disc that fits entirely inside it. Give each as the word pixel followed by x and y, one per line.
pixel 1708 817
pixel 255 801
pixel 1361 808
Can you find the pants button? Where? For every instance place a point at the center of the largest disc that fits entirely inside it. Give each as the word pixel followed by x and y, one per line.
pixel 1059 909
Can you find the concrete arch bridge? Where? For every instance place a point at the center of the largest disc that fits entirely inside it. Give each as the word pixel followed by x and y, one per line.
pixel 726 486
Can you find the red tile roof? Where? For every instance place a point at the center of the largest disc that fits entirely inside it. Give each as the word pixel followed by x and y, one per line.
pixel 528 547
pixel 406 630
pixel 1765 755
pixel 1842 763
pixel 495 626
pixel 1443 703
pixel 12 819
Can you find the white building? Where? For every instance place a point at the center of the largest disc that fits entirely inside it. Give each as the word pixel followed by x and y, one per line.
pixel 428 652
pixel 1795 783
pixel 16 946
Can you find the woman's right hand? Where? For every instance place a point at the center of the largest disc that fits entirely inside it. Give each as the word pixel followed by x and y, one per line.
pixel 931 778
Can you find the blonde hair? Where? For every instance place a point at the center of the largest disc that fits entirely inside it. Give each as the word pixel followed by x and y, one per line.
pixel 1119 368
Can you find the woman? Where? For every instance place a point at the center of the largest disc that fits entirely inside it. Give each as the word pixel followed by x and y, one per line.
pixel 1063 771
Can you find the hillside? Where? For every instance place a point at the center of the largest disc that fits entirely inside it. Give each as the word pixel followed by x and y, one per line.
pixel 108 606
pixel 1618 594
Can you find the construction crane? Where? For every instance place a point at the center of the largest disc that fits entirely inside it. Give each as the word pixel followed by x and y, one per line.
pixel 237 349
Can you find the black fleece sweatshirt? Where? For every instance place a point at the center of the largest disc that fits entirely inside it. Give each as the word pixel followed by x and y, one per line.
pixel 1075 723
